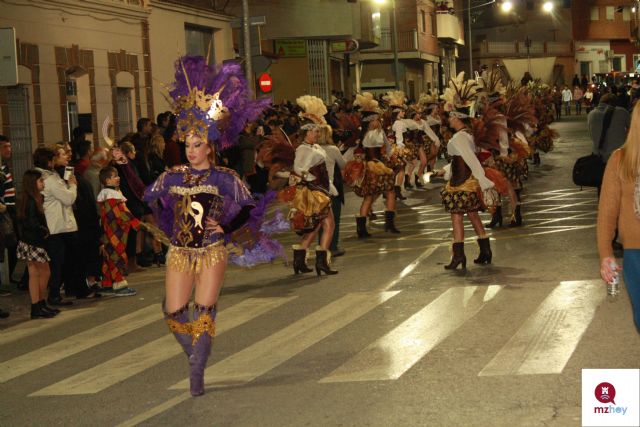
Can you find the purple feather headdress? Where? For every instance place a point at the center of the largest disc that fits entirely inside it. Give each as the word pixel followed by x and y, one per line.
pixel 214 104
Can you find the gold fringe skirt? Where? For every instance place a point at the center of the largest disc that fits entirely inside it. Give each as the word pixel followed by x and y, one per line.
pixel 378 179
pixel 463 198
pixel 194 260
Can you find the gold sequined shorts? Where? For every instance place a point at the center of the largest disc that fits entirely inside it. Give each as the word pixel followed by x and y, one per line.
pixel 193 260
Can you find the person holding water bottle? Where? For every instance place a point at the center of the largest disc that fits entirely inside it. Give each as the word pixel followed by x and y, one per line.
pixel 619 207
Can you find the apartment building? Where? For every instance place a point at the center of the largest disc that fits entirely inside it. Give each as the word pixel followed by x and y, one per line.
pixel 319 46
pixel 605 34
pixel 523 39
pixel 418 47
pixel 79 62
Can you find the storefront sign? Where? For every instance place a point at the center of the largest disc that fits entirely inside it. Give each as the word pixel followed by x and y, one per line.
pixel 290 48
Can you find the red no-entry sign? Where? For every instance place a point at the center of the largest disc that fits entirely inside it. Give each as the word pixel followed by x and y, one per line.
pixel 265 83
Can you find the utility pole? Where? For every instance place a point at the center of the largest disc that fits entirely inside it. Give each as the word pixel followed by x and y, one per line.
pixel 470 47
pixel 246 30
pixel 396 64
pixel 527 44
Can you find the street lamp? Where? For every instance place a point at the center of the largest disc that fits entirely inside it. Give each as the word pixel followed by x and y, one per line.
pixel 394 35
pixel 547 6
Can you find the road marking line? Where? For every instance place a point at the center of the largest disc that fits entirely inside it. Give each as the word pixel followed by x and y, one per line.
pixel 64 348
pixel 545 342
pixel 156 410
pixel 267 354
pixel 409 268
pixel 26 329
pixel 133 362
pixel 389 357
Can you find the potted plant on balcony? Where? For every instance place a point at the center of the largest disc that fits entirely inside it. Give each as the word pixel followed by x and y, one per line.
pixel 444 6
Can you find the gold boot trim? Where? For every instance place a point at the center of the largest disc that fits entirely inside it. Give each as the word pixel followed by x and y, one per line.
pixel 204 324
pixel 180 328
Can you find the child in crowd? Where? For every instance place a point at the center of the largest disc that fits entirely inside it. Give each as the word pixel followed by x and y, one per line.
pixel 31 247
pixel 117 220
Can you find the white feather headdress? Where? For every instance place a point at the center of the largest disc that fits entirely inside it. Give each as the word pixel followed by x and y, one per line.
pixel 395 98
pixel 366 102
pixel 427 98
pixel 314 108
pixel 460 93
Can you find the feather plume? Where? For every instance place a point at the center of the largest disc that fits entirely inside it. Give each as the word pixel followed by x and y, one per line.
pixel 227 85
pixel 493 83
pixel 276 150
pixel 353 172
pixel 395 98
pixel 520 111
pixel 495 176
pixel 427 98
pixel 348 124
pixel 512 88
pixel 313 107
pixel 521 149
pixel 461 92
pixel 486 130
pixel 366 102
pixel 347 121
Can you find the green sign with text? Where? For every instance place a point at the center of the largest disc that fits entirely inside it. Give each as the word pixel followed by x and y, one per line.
pixel 290 48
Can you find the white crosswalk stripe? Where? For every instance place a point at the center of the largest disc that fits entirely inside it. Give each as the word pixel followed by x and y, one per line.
pixel 396 352
pixel 546 341
pixel 62 349
pixel 274 350
pixel 135 361
pixel 26 329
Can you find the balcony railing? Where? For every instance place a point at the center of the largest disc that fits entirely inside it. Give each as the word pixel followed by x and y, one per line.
pixel 519 48
pixel 140 3
pixel 407 41
pixel 448 26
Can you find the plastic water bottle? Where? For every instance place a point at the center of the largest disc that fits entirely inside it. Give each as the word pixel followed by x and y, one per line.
pixel 613 286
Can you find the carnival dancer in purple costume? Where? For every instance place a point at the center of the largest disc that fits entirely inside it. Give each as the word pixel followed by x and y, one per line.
pixel 205 208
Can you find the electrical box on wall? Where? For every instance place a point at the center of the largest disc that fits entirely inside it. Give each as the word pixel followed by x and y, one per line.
pixel 8 57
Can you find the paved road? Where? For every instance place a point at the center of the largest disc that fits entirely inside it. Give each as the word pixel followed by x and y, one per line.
pixel 391 340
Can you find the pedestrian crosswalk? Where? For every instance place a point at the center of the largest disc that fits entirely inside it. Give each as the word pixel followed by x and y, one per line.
pixel 62 349
pixel 393 354
pixel 26 329
pixel 274 350
pixel 135 361
pixel 543 344
pixel 547 339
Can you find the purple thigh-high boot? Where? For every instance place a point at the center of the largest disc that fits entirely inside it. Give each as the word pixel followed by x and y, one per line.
pixel 179 324
pixel 203 330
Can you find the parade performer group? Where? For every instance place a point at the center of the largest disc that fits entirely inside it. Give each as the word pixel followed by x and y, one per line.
pixel 208 217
